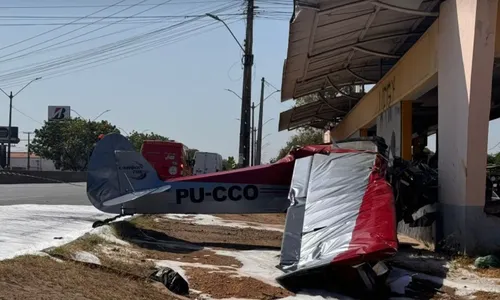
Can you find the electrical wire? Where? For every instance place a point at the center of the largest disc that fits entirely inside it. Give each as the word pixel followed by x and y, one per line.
pixel 83 55
pixel 179 2
pixel 110 46
pixel 269 84
pixel 71 31
pixel 26 115
pixel 54 29
pixel 107 61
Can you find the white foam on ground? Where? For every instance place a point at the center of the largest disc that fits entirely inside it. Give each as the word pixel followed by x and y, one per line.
pixel 30 228
pixel 86 257
pixel 200 219
pixel 107 233
pixel 258 264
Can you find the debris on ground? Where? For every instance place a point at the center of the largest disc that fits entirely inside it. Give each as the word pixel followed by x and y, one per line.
pixel 171 280
pixel 488 261
pixel 216 262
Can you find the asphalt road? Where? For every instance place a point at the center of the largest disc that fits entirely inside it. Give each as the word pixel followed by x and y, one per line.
pixel 46 193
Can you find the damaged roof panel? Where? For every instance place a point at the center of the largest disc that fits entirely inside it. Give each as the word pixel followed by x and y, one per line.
pixel 350 41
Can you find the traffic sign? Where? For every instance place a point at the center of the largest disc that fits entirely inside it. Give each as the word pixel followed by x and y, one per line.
pixel 14 135
pixel 59 113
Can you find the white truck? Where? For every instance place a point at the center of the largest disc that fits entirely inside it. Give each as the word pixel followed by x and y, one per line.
pixel 207 162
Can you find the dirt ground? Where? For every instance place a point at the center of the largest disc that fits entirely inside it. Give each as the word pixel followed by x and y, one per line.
pixel 204 254
pixel 128 264
pixel 43 278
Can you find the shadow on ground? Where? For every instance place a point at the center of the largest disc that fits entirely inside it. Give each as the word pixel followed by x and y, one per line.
pixel 160 241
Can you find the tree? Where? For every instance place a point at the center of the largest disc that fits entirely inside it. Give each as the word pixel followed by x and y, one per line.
pixel 305 136
pixel 191 153
pixel 491 159
pixel 229 163
pixel 137 138
pixel 69 143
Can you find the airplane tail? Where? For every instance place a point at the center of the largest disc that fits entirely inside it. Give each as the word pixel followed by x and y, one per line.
pixel 118 174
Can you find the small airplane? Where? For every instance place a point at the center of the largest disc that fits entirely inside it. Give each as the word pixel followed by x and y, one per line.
pixel 121 181
pixel 340 208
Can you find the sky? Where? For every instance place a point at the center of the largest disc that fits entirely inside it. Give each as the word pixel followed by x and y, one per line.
pixel 173 85
pixel 176 88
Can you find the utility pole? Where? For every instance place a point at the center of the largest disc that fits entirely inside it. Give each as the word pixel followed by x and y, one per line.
pixel 252 157
pixel 11 96
pixel 244 151
pixel 29 154
pixel 258 155
pixel 10 129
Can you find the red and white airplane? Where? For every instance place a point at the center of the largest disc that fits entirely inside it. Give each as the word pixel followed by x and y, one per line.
pixel 340 208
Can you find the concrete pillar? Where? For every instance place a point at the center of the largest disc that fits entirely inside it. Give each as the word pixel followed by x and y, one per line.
pixel 465 63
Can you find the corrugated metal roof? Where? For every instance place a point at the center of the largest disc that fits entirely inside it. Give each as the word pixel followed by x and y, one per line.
pixel 335 43
pixel 317 114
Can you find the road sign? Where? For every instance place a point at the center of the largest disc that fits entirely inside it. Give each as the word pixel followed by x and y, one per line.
pixel 58 113
pixel 14 135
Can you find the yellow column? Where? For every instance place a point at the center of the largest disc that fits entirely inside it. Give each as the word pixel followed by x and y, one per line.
pixel 406 129
pixel 363 132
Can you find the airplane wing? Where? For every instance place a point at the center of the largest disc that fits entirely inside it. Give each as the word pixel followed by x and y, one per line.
pixel 342 213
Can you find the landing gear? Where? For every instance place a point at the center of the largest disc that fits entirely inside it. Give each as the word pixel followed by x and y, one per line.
pixel 107 221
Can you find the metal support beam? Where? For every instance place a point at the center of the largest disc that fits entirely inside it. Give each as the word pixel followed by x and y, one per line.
pixel 415 73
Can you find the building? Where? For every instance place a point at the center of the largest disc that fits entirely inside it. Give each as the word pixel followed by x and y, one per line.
pixel 19 161
pixel 435 67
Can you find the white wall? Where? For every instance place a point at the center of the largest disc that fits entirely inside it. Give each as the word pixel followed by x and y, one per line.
pixel 36 164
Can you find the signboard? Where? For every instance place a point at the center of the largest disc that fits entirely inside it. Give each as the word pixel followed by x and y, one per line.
pixel 14 134
pixel 59 113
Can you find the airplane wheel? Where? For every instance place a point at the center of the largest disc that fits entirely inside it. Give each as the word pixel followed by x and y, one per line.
pixel 98 224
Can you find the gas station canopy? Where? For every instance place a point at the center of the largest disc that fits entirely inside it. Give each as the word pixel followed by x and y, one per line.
pixel 338 43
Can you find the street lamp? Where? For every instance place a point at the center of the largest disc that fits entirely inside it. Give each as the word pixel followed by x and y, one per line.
pixel 245 129
pixel 128 134
pixel 11 96
pixel 102 113
pixel 107 110
pixel 267 121
pixel 231 91
pixel 216 18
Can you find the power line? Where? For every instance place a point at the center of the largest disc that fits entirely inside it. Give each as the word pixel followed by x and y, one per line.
pixel 29 117
pixel 89 54
pixel 180 2
pixel 269 84
pixel 51 47
pixel 118 57
pixel 95 51
pixel 54 29
pixel 71 31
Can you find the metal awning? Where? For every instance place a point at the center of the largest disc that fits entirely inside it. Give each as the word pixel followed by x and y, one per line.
pixel 337 43
pixel 317 114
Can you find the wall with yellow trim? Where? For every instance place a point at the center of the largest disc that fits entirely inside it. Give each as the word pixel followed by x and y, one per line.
pixel 413 75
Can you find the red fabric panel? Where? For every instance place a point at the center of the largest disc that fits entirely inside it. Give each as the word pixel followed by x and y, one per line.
pixel 375 233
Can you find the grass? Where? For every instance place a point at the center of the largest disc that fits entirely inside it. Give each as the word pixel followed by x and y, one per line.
pixel 39 277
pixel 124 269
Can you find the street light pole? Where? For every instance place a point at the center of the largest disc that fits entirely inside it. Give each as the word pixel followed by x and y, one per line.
pixel 11 97
pixel 244 147
pixel 252 156
pixel 29 150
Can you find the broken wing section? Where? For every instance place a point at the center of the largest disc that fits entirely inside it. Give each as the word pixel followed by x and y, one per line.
pixel 349 214
pixel 292 237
